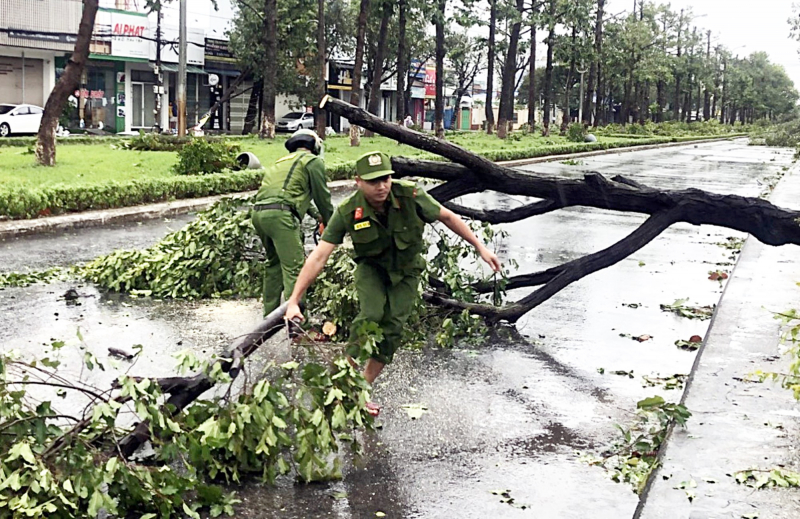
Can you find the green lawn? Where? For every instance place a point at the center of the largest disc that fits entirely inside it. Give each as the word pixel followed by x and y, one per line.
pixel 78 164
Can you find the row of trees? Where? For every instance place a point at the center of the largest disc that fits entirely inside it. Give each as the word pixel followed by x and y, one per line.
pixel 649 63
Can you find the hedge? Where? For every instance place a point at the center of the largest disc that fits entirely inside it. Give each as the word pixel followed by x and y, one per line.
pixel 18 203
pixel 8 142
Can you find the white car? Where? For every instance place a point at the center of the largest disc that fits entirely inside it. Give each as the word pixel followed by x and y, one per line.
pixel 293 121
pixel 19 119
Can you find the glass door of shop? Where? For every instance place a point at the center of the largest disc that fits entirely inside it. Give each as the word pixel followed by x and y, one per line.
pixel 143 105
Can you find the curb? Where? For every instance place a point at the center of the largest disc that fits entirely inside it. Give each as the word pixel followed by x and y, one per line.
pixel 16 228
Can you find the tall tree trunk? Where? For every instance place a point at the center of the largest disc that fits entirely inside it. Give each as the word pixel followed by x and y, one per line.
pixel 532 78
pixel 402 66
pixel 677 102
pixel 251 116
pixel 438 120
pixel 320 116
pixel 355 92
pixel 46 136
pixel 490 67
pixel 548 72
pixel 509 75
pixel 598 50
pixel 644 107
pixel 271 68
pixel 566 118
pixel 723 107
pixel 375 92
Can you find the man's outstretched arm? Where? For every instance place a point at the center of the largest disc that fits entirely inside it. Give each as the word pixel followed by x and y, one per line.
pixel 457 225
pixel 313 266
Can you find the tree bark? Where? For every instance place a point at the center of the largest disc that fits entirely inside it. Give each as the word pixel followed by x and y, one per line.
pixel 548 74
pixel 598 49
pixel 375 92
pixel 568 87
pixel 270 70
pixel 67 84
pixel 438 114
pixel 509 75
pixel 252 107
pixel 402 66
pixel 355 93
pixel 490 67
pixel 320 116
pixel 532 79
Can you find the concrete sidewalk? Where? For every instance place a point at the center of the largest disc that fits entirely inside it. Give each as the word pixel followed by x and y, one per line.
pixel 736 424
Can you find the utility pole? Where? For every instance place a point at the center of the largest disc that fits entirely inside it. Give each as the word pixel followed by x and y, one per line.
pixel 581 71
pixel 159 88
pixel 707 97
pixel 181 97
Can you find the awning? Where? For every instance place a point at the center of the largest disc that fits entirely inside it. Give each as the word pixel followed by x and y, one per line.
pixel 223 72
pixel 189 69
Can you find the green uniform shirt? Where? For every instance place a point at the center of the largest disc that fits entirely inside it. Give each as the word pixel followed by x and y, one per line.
pixel 294 180
pixel 396 245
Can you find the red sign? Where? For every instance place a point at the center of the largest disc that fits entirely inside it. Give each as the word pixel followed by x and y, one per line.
pixel 124 29
pixel 430 81
pixel 90 94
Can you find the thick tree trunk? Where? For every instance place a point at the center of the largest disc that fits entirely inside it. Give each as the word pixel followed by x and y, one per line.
pixel 251 116
pixel 67 84
pixel 548 72
pixel 438 119
pixel 402 66
pixel 509 75
pixel 532 81
pixel 490 67
pixel 270 70
pixel 355 93
pixel 375 92
pixel 320 116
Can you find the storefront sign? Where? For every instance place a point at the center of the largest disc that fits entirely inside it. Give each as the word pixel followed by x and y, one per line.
pixel 430 81
pixel 218 50
pixel 90 94
pixel 127 33
pixel 43 36
pixel 340 76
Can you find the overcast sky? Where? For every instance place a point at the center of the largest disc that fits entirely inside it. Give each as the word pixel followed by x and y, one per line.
pixel 744 26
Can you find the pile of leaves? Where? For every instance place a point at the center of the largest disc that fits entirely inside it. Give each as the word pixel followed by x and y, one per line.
pixel 680 308
pixel 634 455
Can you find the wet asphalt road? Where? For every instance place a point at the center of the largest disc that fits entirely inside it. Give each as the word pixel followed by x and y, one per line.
pixel 509 416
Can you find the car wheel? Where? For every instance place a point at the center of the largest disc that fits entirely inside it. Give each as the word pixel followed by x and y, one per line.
pixel 5 130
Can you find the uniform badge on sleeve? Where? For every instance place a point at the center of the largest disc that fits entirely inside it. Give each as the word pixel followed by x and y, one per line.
pixel 359 213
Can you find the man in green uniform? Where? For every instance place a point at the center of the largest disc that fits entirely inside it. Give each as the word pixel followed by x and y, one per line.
pixel 283 199
pixel 385 219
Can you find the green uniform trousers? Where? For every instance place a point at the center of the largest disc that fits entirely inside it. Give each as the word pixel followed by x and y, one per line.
pixel 389 305
pixel 282 237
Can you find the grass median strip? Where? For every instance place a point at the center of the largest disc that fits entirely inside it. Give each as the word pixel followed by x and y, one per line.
pixel 105 175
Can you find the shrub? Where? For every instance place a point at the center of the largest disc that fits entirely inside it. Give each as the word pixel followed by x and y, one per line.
pixel 576 132
pixel 155 142
pixel 201 157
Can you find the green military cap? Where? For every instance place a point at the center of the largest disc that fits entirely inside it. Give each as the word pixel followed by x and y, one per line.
pixel 372 165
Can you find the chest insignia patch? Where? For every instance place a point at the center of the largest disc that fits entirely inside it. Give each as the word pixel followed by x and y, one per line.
pixel 362 225
pixel 359 213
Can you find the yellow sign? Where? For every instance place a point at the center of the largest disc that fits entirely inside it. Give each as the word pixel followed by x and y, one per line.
pixel 362 225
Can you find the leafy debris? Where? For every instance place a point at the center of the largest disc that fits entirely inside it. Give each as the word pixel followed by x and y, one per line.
pixel 680 307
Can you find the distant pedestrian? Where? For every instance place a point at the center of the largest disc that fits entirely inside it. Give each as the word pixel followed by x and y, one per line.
pixel 408 122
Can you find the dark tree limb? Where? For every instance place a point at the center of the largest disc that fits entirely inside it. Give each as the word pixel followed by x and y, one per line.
pixel 185 390
pixel 558 278
pixel 495 216
pixel 764 220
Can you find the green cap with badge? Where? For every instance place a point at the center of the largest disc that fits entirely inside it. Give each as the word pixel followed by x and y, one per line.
pixel 372 165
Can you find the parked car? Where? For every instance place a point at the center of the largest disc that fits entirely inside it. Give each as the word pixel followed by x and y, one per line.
pixel 293 121
pixel 19 119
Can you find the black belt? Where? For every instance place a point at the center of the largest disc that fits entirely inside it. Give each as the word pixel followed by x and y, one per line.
pixel 278 207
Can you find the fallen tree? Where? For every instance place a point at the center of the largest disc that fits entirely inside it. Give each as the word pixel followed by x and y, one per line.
pixel 470 173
